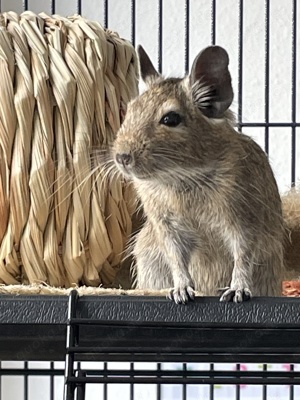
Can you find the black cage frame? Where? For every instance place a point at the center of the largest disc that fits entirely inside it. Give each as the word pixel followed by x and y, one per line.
pixel 131 329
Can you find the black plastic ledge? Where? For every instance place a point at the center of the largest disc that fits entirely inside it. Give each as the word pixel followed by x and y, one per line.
pixel 114 327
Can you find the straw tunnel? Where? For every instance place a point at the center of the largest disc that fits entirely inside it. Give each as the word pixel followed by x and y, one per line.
pixel 65 219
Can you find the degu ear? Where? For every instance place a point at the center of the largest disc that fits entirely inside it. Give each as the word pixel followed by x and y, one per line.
pixel 211 82
pixel 147 70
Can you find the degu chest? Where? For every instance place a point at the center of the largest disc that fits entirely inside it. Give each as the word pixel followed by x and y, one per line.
pixel 192 209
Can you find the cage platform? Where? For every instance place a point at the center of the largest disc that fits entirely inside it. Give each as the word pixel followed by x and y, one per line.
pixel 149 328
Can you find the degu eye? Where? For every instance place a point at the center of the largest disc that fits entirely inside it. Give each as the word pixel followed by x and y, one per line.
pixel 171 119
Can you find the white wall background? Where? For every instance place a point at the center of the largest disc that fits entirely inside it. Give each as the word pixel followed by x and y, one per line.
pixel 119 19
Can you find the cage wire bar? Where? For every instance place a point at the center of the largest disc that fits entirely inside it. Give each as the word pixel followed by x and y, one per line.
pixel 267 75
pixel 160 34
pixel 76 378
pixel 294 82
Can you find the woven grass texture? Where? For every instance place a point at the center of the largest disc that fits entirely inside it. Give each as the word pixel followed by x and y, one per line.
pixel 64 83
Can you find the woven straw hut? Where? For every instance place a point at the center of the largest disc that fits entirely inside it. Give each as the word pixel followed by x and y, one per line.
pixel 65 218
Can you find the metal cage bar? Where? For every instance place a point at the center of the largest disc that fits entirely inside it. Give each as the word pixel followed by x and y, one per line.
pixel 294 93
pixel 213 21
pixel 71 341
pixel 105 13
pixel 267 73
pixel 160 35
pixel 52 7
pixel 133 20
pixel 186 36
pixel 240 64
pixel 79 6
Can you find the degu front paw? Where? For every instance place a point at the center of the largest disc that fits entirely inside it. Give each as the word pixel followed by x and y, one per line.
pixel 237 295
pixel 182 294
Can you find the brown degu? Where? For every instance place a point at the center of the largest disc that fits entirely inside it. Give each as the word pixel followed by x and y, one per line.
pixel 213 212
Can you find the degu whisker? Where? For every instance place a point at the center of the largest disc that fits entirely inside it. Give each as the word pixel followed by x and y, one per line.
pixel 79 185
